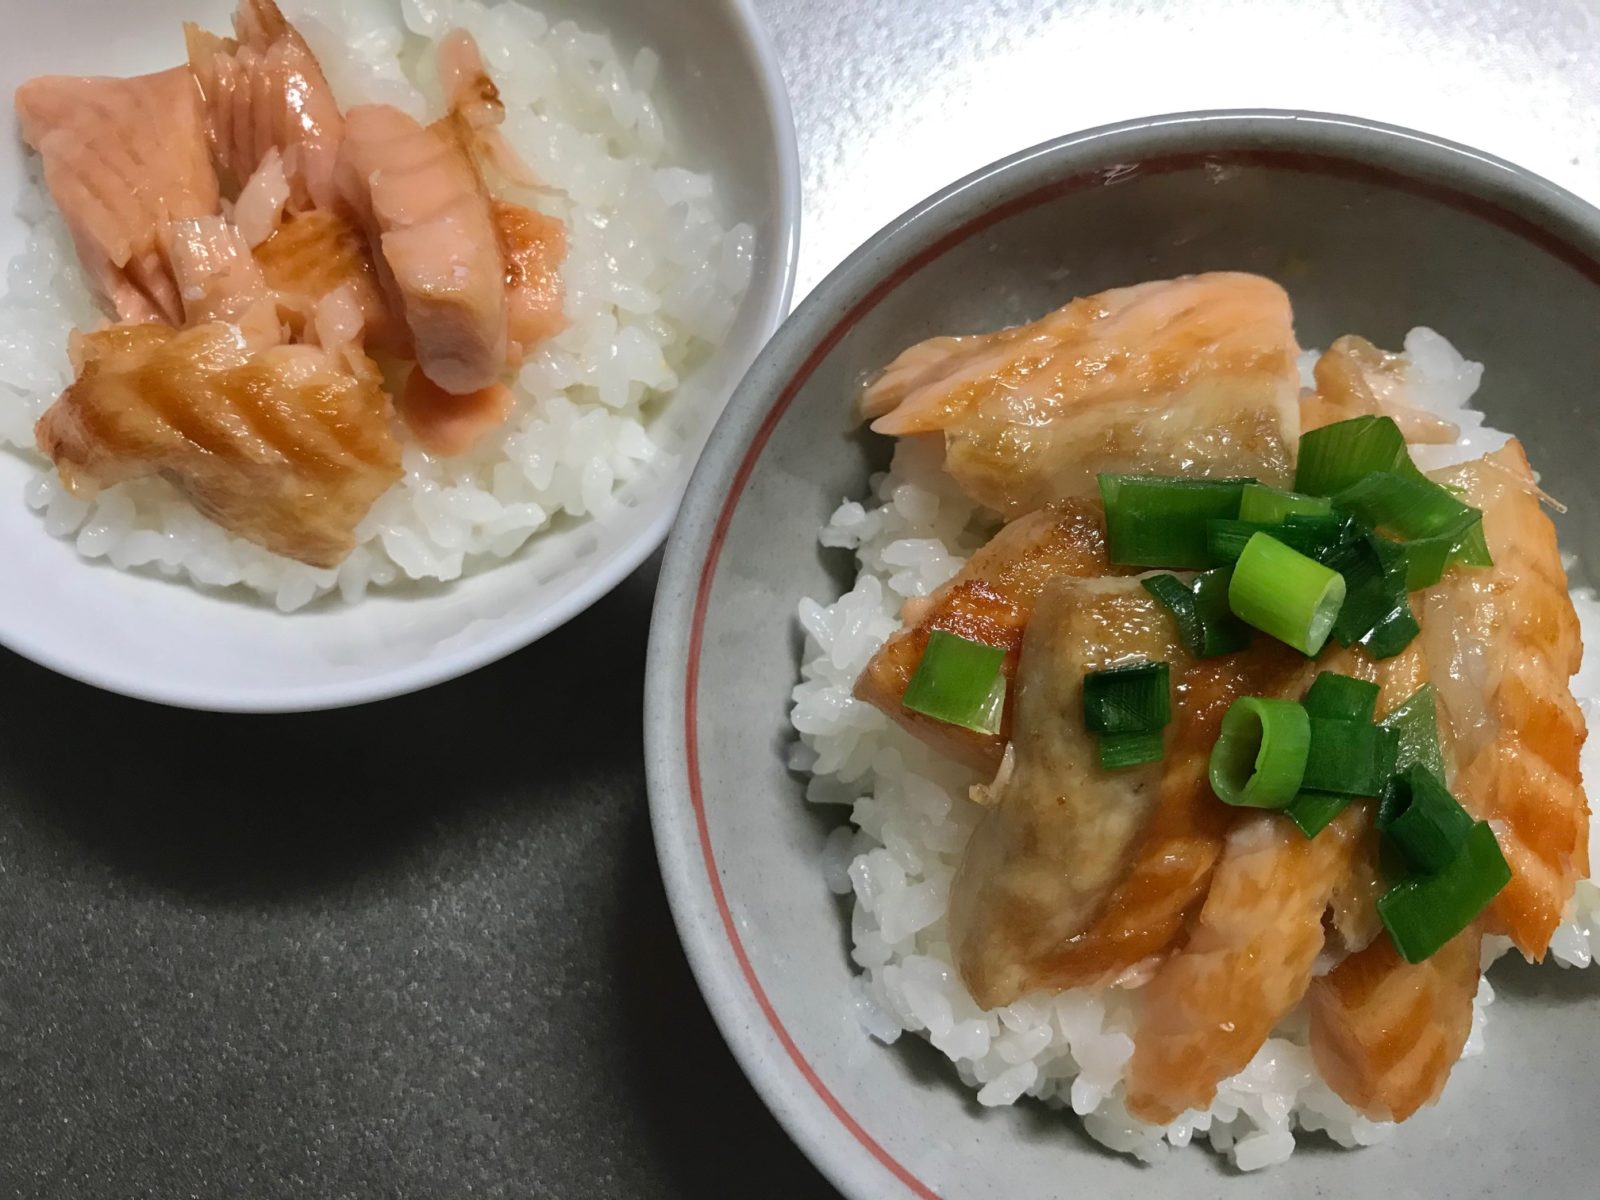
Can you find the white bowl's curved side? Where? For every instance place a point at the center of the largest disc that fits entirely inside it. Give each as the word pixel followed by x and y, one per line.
pixel 696 839
pixel 158 640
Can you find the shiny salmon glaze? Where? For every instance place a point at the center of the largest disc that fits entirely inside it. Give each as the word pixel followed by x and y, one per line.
pixel 318 252
pixel 990 600
pixel 1386 1033
pixel 263 89
pixel 427 211
pixel 1192 376
pixel 1504 643
pixel 122 159
pixel 287 447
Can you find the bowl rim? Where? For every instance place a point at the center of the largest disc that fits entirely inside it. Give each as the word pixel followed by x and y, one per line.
pixel 1520 201
pixel 771 305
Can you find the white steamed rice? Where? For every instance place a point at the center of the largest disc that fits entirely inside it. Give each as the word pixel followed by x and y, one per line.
pixel 909 821
pixel 652 280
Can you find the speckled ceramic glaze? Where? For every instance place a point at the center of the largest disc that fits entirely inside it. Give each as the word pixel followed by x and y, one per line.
pixel 1372 229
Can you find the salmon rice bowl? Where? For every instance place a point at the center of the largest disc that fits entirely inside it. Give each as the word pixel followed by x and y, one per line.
pixel 1209 715
pixel 356 293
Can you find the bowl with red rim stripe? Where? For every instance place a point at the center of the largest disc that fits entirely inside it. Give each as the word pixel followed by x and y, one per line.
pixel 1370 228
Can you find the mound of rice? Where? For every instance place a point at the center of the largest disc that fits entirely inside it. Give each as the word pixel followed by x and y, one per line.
pixel 909 821
pixel 653 280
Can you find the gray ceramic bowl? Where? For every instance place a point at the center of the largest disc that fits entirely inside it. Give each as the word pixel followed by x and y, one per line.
pixel 1372 229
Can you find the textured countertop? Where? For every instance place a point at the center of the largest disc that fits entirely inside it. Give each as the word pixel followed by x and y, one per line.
pixel 421 948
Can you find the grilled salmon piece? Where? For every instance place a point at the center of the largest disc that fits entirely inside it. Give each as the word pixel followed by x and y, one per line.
pixel 287 447
pixel 427 212
pixel 1354 379
pixel 1193 376
pixel 1386 1033
pixel 264 90
pixel 1504 642
pixel 123 158
pixel 989 600
pixel 448 424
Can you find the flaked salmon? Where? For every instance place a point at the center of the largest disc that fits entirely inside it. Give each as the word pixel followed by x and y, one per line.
pixel 219 280
pixel 316 253
pixel 1386 1033
pixel 287 447
pixel 123 158
pixel 427 212
pixel 476 110
pixel 264 90
pixel 990 600
pixel 1193 376
pixel 1504 642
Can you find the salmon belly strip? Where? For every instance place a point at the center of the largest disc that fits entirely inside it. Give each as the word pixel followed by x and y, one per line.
pixel 1193 376
pixel 122 159
pixel 1505 643
pixel 990 600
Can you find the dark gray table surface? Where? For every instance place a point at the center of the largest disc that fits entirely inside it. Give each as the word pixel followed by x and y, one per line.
pixel 421 948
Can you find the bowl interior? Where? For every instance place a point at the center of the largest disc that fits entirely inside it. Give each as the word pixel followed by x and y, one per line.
pixel 1370 234
pixel 149 636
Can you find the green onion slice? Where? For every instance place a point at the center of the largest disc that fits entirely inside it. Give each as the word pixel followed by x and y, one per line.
pixel 1425 821
pixel 1160 521
pixel 1343 757
pixel 1260 757
pixel 1119 750
pixel 1204 623
pixel 1341 697
pixel 1132 698
pixel 1425 514
pixel 1269 505
pixel 1283 593
pixel 1424 912
pixel 1314 811
pixel 1335 456
pixel 958 681
pixel 1415 721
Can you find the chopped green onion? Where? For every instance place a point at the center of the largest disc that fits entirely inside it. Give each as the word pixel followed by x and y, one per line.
pixel 1343 757
pixel 1377 608
pixel 1160 521
pixel 958 681
pixel 1269 505
pixel 1392 634
pixel 1314 811
pixel 1260 756
pixel 1425 821
pixel 1119 750
pixel 1335 456
pixel 1415 721
pixel 1204 623
pixel 1424 912
pixel 1341 697
pixel 1314 535
pixel 1283 593
pixel 1473 548
pixel 1425 514
pixel 1133 698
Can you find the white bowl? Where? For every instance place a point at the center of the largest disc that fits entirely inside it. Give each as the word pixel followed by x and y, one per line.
pixel 164 640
